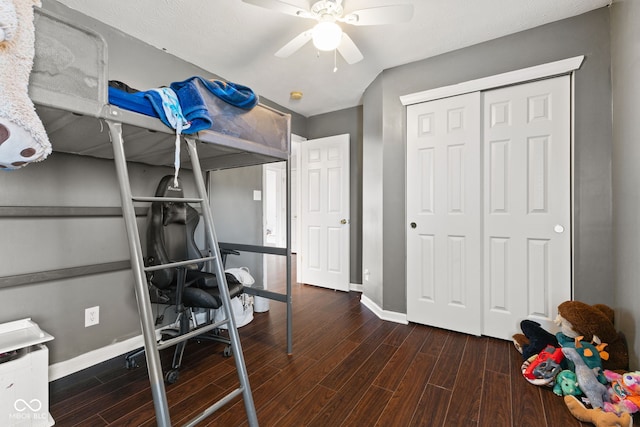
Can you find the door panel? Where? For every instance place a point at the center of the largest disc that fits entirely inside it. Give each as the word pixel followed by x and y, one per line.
pixel 443 213
pixel 527 168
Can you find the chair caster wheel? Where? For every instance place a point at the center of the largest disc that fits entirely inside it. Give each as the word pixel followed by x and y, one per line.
pixel 172 376
pixel 227 351
pixel 131 364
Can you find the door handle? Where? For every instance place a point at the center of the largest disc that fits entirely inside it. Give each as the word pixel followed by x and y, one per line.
pixel 558 228
pixel 413 225
pixel 344 221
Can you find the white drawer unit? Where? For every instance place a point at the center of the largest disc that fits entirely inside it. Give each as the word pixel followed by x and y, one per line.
pixel 24 376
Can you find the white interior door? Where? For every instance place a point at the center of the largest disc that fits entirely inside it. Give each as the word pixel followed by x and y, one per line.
pixel 527 204
pixel 443 213
pixel 323 256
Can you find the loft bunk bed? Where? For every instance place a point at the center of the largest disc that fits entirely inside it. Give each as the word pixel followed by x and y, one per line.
pixel 69 88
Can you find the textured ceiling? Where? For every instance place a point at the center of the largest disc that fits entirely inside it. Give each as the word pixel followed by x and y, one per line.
pixel 236 40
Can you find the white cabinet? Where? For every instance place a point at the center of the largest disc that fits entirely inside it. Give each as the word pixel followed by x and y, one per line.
pixel 24 377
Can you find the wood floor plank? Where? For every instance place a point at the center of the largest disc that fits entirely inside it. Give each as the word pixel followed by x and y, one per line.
pixel 401 408
pixel 392 374
pixel 432 408
pixel 446 369
pixel 398 335
pixel 301 384
pixel 498 352
pixel 496 409
pixel 557 415
pixel 308 407
pixel 436 342
pixel 368 410
pixel 337 378
pixel 465 400
pixel 340 406
pixel 526 401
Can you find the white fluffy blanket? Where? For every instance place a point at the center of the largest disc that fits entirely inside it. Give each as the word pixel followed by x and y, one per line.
pixel 22 136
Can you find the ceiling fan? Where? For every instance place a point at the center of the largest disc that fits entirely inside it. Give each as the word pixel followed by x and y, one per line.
pixel 327 35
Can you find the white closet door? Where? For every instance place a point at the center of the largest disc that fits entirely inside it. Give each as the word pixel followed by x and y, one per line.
pixel 443 213
pixel 527 222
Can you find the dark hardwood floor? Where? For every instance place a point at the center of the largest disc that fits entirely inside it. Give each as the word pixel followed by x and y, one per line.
pixel 348 368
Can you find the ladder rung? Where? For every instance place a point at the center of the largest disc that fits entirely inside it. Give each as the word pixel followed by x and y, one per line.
pixel 166 199
pixel 178 263
pixel 213 408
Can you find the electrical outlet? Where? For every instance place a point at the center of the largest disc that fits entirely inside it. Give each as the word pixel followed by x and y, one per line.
pixel 91 316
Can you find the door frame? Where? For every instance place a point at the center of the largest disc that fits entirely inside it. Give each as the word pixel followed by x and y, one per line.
pixel 523 75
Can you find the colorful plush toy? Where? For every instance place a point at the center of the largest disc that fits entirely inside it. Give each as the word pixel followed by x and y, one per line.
pixel 576 318
pixel 596 416
pixel 566 384
pixel 22 135
pixel 533 339
pixel 546 365
pixel 624 392
pixel 590 354
pixel 587 381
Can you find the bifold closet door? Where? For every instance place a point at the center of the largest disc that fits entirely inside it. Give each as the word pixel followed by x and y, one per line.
pixel 527 204
pixel 443 213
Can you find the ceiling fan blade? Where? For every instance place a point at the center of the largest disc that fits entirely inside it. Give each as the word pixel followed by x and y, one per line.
pixel 295 44
pixel 301 10
pixel 349 50
pixel 382 15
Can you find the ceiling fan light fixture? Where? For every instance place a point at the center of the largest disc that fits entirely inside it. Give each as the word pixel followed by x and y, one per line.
pixel 327 35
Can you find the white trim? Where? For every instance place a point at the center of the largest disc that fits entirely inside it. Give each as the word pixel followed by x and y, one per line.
pixel 94 357
pixel 391 316
pixel 550 69
pixel 356 287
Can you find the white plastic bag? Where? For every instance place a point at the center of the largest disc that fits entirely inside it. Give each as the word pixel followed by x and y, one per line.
pixel 242 309
pixel 243 275
pixel 242 305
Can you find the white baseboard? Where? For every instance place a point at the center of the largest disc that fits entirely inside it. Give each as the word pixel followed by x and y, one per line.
pixel 355 287
pixel 94 357
pixel 391 316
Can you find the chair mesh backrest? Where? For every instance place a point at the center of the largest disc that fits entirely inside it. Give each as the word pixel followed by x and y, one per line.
pixel 170 229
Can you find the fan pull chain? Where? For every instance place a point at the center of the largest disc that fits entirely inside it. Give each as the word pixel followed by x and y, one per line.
pixel 335 60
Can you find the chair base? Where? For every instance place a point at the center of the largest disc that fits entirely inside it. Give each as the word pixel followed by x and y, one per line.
pixel 184 321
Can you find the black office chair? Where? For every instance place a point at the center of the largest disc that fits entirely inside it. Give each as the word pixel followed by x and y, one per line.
pixel 170 238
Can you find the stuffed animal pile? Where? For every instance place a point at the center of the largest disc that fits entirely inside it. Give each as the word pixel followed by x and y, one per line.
pixel 22 136
pixel 586 362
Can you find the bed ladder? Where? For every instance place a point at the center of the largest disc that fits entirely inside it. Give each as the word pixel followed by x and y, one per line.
pixel 152 348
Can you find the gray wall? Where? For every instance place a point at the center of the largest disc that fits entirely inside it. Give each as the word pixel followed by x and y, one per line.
pixel 336 123
pixel 625 58
pixel 372 194
pixel 587 35
pixel 237 217
pixel 41 244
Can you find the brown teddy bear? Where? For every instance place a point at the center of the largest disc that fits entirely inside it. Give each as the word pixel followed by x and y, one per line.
pixel 577 319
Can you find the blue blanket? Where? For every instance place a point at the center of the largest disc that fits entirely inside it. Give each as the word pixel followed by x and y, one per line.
pixel 150 104
pixel 235 94
pixel 194 108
